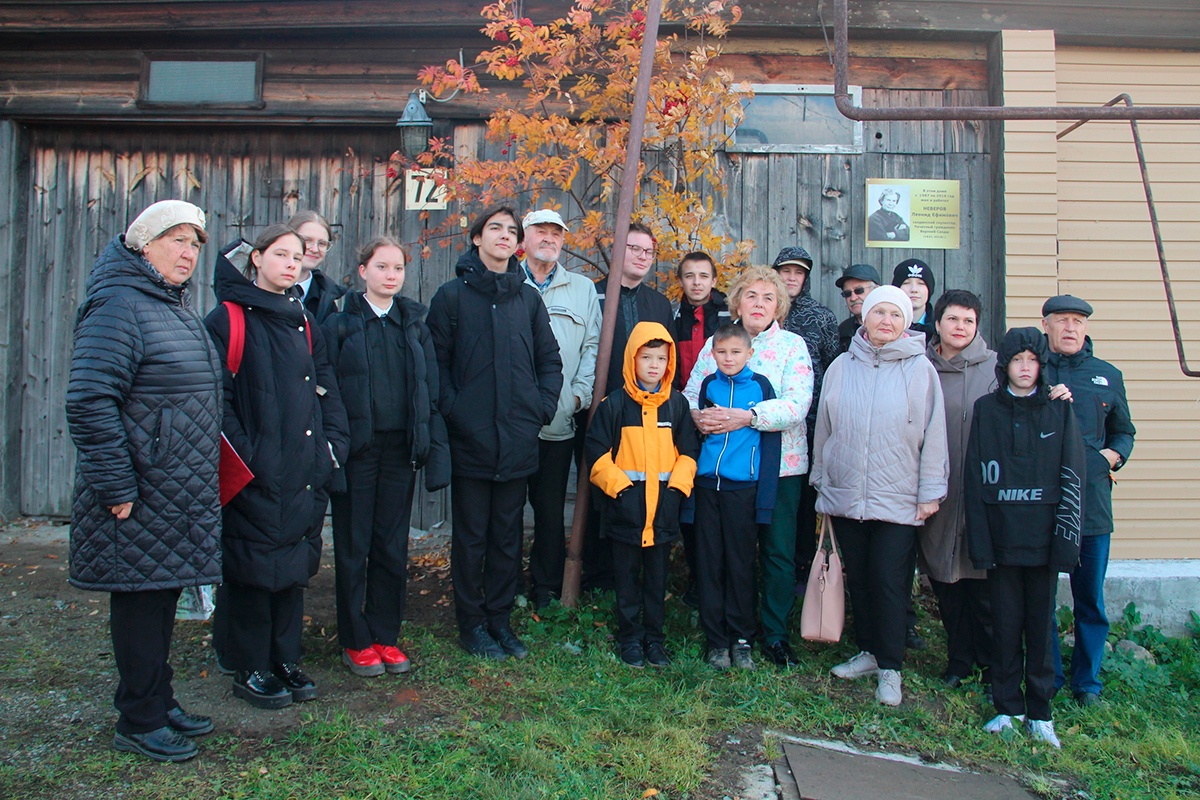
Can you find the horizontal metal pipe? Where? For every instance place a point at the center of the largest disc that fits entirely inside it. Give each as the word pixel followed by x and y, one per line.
pixel 841 96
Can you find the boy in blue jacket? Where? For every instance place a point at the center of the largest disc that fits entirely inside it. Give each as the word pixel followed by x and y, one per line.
pixel 736 479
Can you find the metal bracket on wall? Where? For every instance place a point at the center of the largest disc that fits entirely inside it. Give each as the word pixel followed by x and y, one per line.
pixel 1158 242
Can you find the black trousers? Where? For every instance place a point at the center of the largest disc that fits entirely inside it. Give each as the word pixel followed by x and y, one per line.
pixel 485 549
pixel 966 610
pixel 142 623
pixel 726 543
pixel 878 557
pixel 370 542
pixel 1023 608
pixel 263 628
pixel 640 576
pixel 806 529
pixel 548 496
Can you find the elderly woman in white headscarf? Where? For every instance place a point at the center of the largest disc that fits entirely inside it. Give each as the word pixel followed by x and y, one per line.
pixel 880 466
pixel 144 413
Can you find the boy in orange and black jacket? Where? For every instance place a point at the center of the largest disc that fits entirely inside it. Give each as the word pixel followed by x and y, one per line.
pixel 642 446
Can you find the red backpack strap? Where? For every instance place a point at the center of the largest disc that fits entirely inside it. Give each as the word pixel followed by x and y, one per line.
pixel 237 336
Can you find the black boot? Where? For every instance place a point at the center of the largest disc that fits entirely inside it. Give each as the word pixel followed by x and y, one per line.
pixel 164 744
pixel 261 689
pixel 189 724
pixel 300 685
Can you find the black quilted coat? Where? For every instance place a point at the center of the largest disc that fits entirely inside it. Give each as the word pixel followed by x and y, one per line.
pixel 282 413
pixel 143 409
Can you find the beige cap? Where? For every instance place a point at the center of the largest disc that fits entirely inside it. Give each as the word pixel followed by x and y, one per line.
pixel 162 216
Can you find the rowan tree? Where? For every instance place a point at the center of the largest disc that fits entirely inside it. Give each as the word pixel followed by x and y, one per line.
pixel 565 133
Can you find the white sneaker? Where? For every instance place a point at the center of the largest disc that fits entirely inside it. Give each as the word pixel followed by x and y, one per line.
pixel 1043 729
pixel 888 691
pixel 862 664
pixel 1002 722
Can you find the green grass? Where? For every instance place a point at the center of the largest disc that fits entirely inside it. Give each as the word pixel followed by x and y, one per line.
pixel 572 722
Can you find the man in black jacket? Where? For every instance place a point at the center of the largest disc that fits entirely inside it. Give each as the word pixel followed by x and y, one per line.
pixel 1098 389
pixel 500 376
pixel 856 283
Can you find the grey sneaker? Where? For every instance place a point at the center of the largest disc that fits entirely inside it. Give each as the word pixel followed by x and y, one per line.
pixel 888 691
pixel 1043 729
pixel 862 664
pixel 718 658
pixel 741 655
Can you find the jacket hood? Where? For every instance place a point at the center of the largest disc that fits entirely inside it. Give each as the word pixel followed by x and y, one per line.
pixel 118 266
pixel 975 353
pixel 644 332
pixel 1018 340
pixel 497 285
pixel 908 345
pixel 229 284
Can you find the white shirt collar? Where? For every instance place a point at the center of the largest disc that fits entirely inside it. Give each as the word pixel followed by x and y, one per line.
pixel 304 284
pixel 381 312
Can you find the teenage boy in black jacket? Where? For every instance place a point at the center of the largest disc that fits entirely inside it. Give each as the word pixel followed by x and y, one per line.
pixel 1024 497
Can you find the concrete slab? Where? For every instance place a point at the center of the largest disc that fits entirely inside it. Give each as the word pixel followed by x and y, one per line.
pixel 1163 590
pixel 834 771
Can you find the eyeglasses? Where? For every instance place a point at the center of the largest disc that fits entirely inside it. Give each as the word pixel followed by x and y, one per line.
pixel 859 290
pixel 320 245
pixel 640 252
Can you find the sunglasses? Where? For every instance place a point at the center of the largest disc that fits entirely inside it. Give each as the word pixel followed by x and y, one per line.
pixel 859 290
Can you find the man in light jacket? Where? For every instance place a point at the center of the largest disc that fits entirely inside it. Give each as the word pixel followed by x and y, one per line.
pixel 575 318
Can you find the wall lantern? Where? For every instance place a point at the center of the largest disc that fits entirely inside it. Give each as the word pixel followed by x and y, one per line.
pixel 416 125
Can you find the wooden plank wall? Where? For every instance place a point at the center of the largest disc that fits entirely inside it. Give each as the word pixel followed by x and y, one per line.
pixel 12 280
pixel 1107 255
pixel 85 186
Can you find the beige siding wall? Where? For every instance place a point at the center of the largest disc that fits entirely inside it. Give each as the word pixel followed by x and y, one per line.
pixel 1030 176
pixel 1107 255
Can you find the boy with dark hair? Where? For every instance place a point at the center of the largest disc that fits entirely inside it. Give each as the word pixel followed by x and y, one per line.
pixel 642 446
pixel 1024 496
pixel 736 479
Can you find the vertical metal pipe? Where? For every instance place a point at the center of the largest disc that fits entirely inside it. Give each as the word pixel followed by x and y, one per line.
pixel 573 569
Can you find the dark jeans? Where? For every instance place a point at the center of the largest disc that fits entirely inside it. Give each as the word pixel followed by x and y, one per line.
pixel 1023 608
pixel 264 627
pixel 777 561
pixel 640 575
pixel 370 542
pixel 966 610
pixel 548 496
pixel 1091 621
pixel 878 557
pixel 142 623
pixel 485 549
pixel 726 535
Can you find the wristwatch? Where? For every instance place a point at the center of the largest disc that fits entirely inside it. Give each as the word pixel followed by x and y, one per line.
pixel 753 417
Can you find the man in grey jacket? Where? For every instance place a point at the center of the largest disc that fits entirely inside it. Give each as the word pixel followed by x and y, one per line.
pixel 575 318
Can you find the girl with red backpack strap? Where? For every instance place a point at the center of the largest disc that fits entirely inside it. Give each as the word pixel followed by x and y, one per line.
pixel 283 416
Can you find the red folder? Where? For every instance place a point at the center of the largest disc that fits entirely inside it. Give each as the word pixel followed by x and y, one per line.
pixel 234 474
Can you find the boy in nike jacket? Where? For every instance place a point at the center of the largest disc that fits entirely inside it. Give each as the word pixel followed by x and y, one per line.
pixel 1024 499
pixel 736 481
pixel 642 445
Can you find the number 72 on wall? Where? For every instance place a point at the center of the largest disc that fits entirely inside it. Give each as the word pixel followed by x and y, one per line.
pixel 422 192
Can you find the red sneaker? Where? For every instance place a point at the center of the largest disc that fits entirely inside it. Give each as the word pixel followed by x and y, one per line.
pixel 363 663
pixel 392 657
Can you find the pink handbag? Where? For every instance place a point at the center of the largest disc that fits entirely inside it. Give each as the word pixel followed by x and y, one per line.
pixel 824 613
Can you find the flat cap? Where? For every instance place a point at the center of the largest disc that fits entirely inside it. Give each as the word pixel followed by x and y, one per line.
pixel 859 272
pixel 1066 302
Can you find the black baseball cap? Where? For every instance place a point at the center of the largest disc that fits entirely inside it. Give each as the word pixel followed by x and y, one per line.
pixel 859 272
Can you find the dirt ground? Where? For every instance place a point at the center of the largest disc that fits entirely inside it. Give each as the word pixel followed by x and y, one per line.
pixel 57 675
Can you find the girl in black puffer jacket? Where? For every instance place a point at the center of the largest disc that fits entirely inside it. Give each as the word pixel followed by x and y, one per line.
pixel 284 417
pixel 387 370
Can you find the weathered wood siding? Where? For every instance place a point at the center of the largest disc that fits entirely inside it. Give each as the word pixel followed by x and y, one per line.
pixel 1107 255
pixel 85 186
